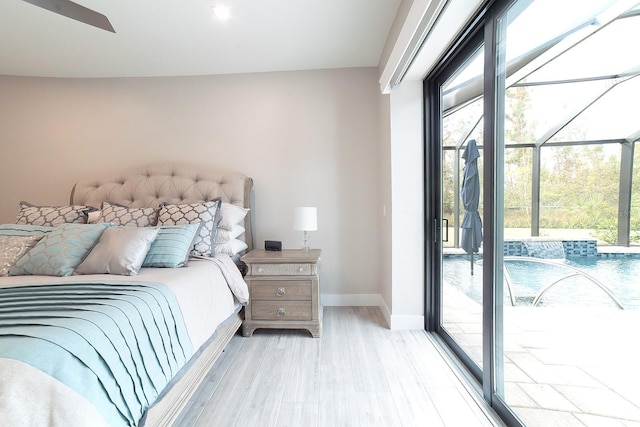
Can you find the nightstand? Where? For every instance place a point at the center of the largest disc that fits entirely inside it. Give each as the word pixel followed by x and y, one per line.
pixel 284 291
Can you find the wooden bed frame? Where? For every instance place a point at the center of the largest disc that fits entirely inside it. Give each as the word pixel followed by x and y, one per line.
pixel 150 186
pixel 169 407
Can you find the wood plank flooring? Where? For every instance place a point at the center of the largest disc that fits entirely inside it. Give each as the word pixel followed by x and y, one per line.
pixel 359 374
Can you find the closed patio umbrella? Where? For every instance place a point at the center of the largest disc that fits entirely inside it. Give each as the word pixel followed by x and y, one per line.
pixel 471 237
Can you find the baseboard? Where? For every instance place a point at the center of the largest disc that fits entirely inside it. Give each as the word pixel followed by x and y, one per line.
pixel 402 322
pixel 385 311
pixel 351 300
pixel 394 322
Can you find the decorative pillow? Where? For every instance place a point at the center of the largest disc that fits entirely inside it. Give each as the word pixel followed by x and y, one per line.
pixel 122 215
pixel 223 236
pixel 231 215
pixel 120 250
pixel 12 248
pixel 206 213
pixel 172 246
pixel 52 215
pixel 234 247
pixel 24 230
pixel 93 216
pixel 61 251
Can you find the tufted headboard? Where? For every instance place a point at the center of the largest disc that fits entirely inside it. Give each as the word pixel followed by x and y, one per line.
pixel 172 183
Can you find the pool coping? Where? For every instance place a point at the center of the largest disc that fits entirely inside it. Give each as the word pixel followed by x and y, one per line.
pixel 602 252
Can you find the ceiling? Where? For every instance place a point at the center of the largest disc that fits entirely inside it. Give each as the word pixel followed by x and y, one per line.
pixel 182 37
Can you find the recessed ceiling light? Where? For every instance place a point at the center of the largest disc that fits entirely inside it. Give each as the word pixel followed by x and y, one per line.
pixel 221 12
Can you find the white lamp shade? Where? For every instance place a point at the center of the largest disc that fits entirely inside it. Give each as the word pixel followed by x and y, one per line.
pixel 305 219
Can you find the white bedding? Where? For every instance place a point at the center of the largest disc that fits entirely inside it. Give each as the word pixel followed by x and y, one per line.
pixel 29 397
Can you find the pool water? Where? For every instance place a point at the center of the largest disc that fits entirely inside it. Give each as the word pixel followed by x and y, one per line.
pixel 620 274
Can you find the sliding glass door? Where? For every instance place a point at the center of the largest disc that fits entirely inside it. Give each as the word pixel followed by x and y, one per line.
pixel 459 212
pixel 531 126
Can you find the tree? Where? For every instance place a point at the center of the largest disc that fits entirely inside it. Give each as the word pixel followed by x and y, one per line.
pixel 519 129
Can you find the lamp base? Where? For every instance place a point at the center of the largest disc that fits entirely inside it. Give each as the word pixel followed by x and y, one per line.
pixel 305 243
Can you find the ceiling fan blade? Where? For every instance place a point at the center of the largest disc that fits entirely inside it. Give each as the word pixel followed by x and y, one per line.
pixel 75 11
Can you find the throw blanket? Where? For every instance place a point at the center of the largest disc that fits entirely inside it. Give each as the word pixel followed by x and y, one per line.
pixel 117 344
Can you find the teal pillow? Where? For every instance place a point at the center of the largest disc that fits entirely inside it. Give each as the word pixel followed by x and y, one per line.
pixel 61 251
pixel 23 230
pixel 172 246
pixel 206 213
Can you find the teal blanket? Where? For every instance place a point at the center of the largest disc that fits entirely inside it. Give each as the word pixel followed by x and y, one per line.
pixel 117 344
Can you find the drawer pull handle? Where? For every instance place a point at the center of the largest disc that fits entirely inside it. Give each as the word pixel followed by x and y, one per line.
pixel 260 269
pixel 300 269
pixel 281 312
pixel 281 291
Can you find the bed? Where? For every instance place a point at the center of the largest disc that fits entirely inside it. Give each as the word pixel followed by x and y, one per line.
pixel 105 338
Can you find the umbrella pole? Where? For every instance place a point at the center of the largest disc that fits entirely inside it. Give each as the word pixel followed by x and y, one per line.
pixel 472 263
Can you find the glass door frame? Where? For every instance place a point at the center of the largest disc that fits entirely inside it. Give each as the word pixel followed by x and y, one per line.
pixel 433 199
pixel 489 30
pixel 483 30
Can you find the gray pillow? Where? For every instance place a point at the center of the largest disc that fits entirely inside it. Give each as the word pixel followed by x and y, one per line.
pixel 123 215
pixel 52 215
pixel 120 250
pixel 12 248
pixel 205 213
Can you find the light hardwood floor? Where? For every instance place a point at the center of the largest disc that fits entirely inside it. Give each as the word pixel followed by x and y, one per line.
pixel 359 374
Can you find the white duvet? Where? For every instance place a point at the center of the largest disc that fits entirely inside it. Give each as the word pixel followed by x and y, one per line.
pixel 208 292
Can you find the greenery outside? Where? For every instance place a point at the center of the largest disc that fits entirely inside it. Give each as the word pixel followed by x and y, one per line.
pixel 579 183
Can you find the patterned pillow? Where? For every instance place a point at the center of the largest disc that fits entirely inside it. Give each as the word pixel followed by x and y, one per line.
pixel 61 251
pixel 52 215
pixel 206 213
pixel 122 215
pixel 12 248
pixel 172 246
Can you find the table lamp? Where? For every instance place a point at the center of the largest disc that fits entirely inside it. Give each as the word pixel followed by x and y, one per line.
pixel 305 219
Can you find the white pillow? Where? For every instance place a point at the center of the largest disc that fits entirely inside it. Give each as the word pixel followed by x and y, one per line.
pixel 234 247
pixel 120 250
pixel 224 236
pixel 93 216
pixel 231 215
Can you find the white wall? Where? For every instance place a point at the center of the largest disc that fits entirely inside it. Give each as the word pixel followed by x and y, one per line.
pixel 306 138
pixel 407 189
pixel 406 144
pixel 386 208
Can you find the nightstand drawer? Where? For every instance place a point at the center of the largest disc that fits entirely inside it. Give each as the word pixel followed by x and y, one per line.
pixel 281 310
pixel 280 270
pixel 284 291
pixel 281 290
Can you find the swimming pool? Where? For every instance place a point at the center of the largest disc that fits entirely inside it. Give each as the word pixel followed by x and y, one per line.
pixel 620 274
